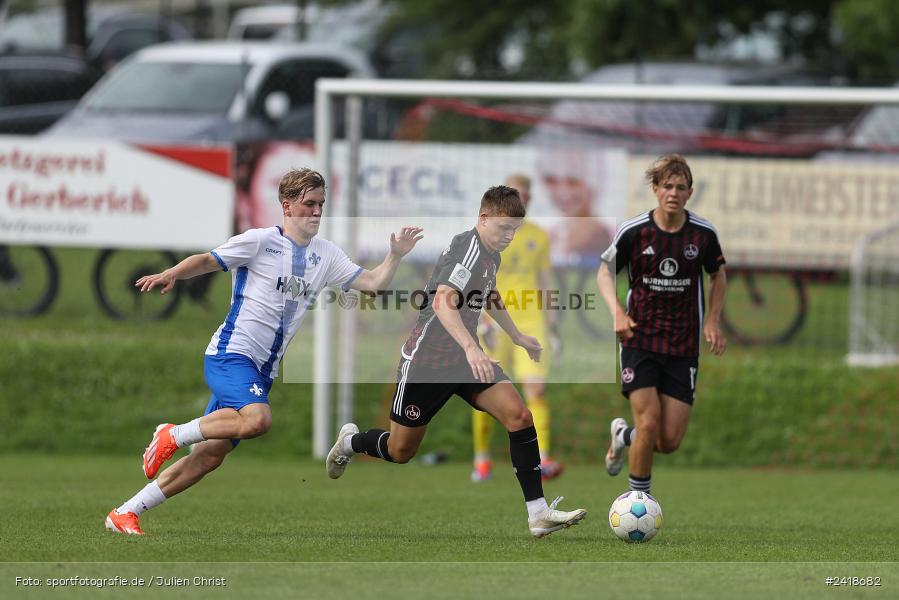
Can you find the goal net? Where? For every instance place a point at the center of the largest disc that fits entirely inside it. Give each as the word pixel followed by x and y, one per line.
pixel 874 308
pixel 792 179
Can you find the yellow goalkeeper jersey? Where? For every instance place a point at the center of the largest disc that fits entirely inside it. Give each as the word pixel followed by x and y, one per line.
pixel 518 279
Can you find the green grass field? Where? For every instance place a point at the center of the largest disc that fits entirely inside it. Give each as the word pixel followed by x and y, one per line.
pixel 771 532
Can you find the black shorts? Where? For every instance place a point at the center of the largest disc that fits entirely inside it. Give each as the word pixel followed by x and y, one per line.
pixel 674 376
pixel 421 391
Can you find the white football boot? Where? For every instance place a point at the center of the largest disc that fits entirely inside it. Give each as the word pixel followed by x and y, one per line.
pixel 615 455
pixel 338 459
pixel 553 520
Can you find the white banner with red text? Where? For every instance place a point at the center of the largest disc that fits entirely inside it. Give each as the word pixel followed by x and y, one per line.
pixel 94 193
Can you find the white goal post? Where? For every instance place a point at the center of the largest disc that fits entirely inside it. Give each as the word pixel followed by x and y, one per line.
pixel 355 90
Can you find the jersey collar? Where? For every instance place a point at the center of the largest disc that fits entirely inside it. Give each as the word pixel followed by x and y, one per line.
pixel 483 245
pixel 656 225
pixel 296 246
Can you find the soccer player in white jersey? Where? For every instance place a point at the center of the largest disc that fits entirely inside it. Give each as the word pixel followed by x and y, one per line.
pixel 276 274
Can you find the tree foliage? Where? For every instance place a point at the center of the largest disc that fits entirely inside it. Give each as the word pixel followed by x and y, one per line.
pixel 533 39
pixel 870 39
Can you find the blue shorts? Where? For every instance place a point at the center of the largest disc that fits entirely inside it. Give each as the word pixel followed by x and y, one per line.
pixel 235 382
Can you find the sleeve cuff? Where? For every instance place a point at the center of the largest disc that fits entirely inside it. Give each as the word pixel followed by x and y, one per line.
pixel 219 260
pixel 346 286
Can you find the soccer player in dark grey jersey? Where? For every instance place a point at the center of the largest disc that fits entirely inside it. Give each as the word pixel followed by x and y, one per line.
pixel 665 252
pixel 442 358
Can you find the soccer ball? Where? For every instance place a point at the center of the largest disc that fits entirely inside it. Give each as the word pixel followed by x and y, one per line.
pixel 635 517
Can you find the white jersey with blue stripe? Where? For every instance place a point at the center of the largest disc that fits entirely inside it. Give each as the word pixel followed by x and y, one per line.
pixel 273 283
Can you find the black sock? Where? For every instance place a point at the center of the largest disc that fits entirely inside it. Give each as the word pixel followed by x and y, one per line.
pixel 525 455
pixel 372 442
pixel 640 484
pixel 628 435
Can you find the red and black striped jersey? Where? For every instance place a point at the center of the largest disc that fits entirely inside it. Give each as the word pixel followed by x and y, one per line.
pixel 666 297
pixel 470 267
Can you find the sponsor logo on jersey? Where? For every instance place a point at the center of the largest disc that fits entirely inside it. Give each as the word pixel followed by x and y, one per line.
pixel 273 251
pixel 627 375
pixel 412 412
pixel 293 285
pixel 668 267
pixel 691 251
pixel 648 251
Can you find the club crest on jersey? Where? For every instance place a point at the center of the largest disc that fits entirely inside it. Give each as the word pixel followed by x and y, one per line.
pixel 691 251
pixel 314 259
pixel 627 375
pixel 668 267
pixel 412 412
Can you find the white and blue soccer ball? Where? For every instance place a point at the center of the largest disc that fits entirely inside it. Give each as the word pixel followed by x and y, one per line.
pixel 635 517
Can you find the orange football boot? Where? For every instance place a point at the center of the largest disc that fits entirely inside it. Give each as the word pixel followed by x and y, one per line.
pixel 123 523
pixel 161 448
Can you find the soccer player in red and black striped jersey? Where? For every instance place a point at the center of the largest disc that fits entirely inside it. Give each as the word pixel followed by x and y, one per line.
pixel 442 358
pixel 661 328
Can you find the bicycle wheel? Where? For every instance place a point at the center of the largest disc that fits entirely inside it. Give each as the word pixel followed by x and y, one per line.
pixel 114 275
pixel 29 280
pixel 764 308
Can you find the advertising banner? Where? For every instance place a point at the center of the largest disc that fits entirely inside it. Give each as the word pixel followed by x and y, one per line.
pixel 111 194
pixel 792 214
pixel 577 196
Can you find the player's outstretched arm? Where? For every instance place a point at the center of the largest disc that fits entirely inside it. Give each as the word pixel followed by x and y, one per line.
pixel 380 277
pixel 605 280
pixel 446 308
pixel 711 329
pixel 496 308
pixel 197 264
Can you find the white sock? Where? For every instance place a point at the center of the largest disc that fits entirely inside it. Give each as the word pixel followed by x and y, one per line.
pixel 188 433
pixel 620 436
pixel 144 500
pixel 348 446
pixel 535 507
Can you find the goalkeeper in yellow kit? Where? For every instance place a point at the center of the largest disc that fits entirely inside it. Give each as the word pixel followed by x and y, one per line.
pixel 525 273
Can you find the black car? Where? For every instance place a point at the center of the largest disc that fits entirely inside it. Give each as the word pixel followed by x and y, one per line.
pixel 36 89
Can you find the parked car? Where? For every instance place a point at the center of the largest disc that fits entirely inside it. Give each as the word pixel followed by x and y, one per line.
pixel 211 92
pixel 658 127
pixel 393 49
pixel 36 89
pixel 345 25
pixel 112 33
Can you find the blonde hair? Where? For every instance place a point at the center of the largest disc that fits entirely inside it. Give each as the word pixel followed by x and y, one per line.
pixel 297 182
pixel 518 181
pixel 669 166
